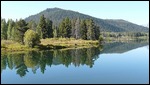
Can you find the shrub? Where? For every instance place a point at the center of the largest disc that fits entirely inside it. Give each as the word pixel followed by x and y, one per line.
pixel 31 38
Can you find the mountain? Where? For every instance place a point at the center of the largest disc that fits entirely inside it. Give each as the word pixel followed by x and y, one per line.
pixel 57 15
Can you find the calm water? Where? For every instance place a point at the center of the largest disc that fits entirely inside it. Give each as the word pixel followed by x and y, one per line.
pixel 113 63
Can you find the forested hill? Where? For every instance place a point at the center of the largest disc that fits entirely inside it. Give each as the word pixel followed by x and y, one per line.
pixel 57 15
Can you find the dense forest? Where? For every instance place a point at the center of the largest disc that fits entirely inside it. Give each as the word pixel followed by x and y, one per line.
pixel 106 25
pixel 26 33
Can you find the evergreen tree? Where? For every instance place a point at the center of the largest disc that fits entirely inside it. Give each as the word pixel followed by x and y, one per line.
pixel 77 29
pixel 42 27
pixel 21 26
pixel 83 29
pixel 90 31
pixel 73 21
pixel 3 29
pixel 13 33
pixel 62 29
pixel 9 31
pixel 49 28
pixel 97 32
pixel 68 27
pixel 55 32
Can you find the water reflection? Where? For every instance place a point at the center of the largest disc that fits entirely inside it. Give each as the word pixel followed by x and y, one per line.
pixel 39 60
pixel 121 47
pixel 34 60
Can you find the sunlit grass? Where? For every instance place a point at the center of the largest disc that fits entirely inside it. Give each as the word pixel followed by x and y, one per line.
pixel 68 42
pixel 49 43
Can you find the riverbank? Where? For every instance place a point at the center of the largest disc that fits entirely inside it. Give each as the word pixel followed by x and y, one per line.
pixel 48 44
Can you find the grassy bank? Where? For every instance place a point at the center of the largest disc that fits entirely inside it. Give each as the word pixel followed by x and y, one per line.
pixel 68 42
pixel 47 44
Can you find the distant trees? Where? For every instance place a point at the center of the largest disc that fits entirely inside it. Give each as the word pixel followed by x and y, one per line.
pixel 124 34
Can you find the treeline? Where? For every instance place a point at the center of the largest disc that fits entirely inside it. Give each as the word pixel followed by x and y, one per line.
pixel 67 28
pixel 124 34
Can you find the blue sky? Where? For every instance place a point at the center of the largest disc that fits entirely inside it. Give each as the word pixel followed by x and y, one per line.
pixel 133 11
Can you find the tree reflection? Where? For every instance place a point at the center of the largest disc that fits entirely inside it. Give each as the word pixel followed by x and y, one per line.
pixel 39 60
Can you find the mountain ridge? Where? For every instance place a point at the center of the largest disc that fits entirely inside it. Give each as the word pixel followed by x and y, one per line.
pixel 111 25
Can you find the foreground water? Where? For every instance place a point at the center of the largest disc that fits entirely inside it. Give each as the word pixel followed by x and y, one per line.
pixel 119 63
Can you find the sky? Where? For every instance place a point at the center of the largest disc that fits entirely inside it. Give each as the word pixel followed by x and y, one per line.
pixel 134 11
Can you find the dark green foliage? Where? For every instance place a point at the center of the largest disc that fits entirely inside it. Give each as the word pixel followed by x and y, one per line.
pixel 49 24
pixel 97 32
pixel 62 29
pixel 42 30
pixel 3 29
pixel 21 26
pixel 83 29
pixel 68 27
pixel 11 24
pixel 65 28
pixel 91 30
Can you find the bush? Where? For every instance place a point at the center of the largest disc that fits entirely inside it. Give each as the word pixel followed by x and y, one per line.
pixel 31 38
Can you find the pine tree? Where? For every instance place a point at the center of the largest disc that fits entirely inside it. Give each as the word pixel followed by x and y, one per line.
pixel 68 27
pixel 77 29
pixel 73 21
pixel 3 29
pixel 62 29
pixel 49 28
pixel 21 26
pixel 90 31
pixel 9 31
pixel 42 27
pixel 83 29
pixel 97 32
pixel 55 32
pixel 13 33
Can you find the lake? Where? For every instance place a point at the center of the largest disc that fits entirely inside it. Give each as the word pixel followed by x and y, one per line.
pixel 112 63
